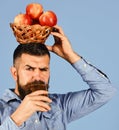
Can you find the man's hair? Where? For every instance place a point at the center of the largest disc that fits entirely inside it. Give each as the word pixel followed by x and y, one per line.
pixel 36 49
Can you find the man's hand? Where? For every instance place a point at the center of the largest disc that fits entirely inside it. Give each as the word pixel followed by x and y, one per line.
pixel 62 46
pixel 36 101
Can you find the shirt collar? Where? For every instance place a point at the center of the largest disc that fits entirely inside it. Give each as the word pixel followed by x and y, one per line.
pixel 9 95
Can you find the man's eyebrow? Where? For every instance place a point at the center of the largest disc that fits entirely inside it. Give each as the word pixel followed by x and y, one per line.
pixel 29 66
pixel 45 67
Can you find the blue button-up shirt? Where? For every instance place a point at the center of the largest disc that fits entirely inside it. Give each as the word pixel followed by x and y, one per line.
pixel 64 107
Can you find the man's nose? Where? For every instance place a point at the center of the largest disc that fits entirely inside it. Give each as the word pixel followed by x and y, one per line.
pixel 38 75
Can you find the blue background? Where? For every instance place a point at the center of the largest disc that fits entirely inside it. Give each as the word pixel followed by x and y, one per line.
pixel 92 27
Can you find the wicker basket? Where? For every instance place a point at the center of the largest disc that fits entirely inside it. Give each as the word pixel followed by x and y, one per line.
pixel 30 33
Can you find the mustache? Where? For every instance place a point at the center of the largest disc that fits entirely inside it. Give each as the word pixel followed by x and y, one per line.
pixel 36 85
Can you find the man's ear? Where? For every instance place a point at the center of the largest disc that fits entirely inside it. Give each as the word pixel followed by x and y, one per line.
pixel 13 72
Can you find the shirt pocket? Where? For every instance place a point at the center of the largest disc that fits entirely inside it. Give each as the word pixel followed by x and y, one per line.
pixel 54 120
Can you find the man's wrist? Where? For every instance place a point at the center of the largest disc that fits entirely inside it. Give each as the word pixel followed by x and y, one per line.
pixel 74 57
pixel 16 120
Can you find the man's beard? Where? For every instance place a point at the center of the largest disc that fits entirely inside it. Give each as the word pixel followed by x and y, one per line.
pixel 31 87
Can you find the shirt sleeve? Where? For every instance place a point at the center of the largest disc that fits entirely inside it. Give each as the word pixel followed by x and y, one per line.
pixel 80 103
pixel 95 78
pixel 9 124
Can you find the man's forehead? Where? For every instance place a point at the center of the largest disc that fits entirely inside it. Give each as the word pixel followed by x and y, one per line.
pixel 35 60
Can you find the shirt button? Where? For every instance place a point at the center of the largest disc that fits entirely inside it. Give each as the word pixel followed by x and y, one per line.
pixel 101 74
pixel 36 121
pixel 85 65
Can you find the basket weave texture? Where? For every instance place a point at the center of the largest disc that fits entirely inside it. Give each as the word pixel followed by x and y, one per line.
pixel 30 33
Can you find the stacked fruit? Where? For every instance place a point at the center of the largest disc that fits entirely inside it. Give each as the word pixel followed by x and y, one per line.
pixel 35 14
pixel 35 25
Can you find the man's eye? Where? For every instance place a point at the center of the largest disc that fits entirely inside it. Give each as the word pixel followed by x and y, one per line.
pixel 44 69
pixel 30 69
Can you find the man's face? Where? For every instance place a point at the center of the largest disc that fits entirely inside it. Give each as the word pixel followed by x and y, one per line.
pixel 30 72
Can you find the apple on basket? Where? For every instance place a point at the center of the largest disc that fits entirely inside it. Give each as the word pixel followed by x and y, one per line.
pixel 48 18
pixel 34 10
pixel 22 19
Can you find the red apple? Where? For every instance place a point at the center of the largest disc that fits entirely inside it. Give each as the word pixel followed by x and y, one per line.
pixel 34 10
pixel 22 19
pixel 48 18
